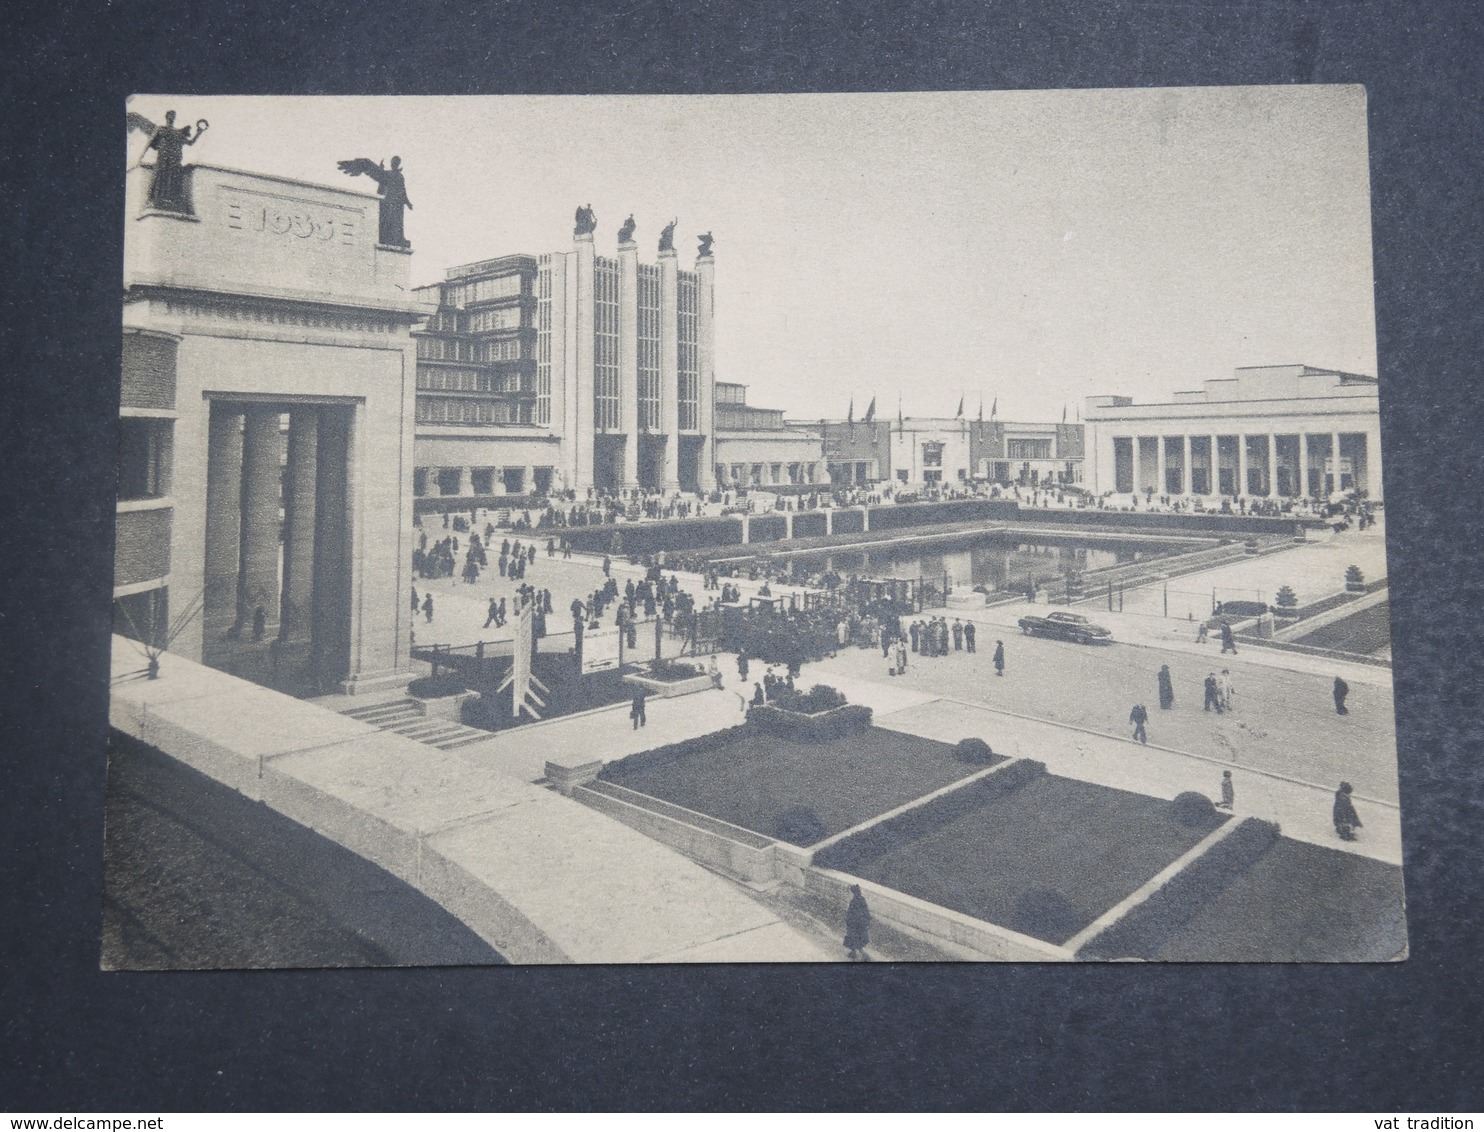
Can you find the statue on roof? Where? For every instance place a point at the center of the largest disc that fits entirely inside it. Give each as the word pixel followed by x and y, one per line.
pixel 667 236
pixel 587 221
pixel 393 189
pixel 626 232
pixel 167 191
pixel 705 248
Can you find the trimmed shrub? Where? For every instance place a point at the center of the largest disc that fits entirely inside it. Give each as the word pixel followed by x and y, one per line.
pixel 820 698
pixel 1285 598
pixel 799 825
pixel 1354 579
pixel 973 751
pixel 812 728
pixel 1193 809
pixel 435 687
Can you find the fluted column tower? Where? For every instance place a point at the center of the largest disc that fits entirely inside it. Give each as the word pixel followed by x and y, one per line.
pixel 628 359
pixel 670 366
pixel 706 349
pixel 583 312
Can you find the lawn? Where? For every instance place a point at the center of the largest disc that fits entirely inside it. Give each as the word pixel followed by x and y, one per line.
pixel 1045 859
pixel 755 780
pixel 1299 903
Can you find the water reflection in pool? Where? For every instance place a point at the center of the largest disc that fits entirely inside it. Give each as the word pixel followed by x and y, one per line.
pixel 995 562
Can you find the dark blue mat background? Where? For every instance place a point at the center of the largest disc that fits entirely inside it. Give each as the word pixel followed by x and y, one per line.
pixel 1122 1036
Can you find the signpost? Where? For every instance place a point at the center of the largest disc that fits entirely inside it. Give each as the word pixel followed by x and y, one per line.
pixel 521 681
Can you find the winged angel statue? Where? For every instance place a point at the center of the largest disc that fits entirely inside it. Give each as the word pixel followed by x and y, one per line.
pixel 168 189
pixel 393 190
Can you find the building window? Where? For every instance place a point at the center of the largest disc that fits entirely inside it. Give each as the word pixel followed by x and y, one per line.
pixel 543 478
pixel 448 480
pixel 606 390
pixel 932 454
pixel 483 480
pixel 543 342
pixel 649 348
pixel 144 457
pixel 419 481
pixel 688 303
pixel 1029 449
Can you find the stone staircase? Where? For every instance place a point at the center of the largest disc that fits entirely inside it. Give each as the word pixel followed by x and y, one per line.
pixel 403 717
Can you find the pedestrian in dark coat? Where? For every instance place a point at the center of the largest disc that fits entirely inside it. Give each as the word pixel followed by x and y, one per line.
pixel 758 699
pixel 1228 792
pixel 969 634
pixel 1166 688
pixel 912 631
pixel 1347 821
pixel 636 712
pixel 1213 694
pixel 428 608
pixel 1138 717
pixel 857 924
pixel 999 658
pixel 1342 690
pixel 958 635
pixel 742 665
pixel 415 602
pixel 1228 642
pixel 494 613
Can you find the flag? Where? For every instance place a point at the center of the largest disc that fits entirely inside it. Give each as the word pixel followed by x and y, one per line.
pixel 960 408
pixel 994 408
pixel 1063 414
pixel 981 407
pixel 871 411
pixel 901 424
pixel 850 416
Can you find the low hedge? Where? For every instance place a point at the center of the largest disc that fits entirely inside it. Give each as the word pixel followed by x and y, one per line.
pixel 646 760
pixel 436 687
pixel 811 728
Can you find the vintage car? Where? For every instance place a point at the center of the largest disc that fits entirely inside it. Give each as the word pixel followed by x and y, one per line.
pixel 1066 626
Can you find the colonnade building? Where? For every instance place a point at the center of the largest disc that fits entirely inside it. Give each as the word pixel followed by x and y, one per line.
pixel 1291 431
pixel 567 371
pixel 922 452
pixel 266 431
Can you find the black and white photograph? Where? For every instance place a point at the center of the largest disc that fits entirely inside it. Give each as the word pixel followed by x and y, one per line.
pixel 758 528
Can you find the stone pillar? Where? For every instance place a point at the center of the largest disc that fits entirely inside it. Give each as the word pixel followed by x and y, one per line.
pixel 261 498
pixel 1272 464
pixel 706 353
pixel 223 514
pixel 670 368
pixel 1303 465
pixel 1187 471
pixel 334 572
pixel 865 519
pixel 628 360
pixel 1161 468
pixel 528 479
pixel 788 524
pixel 1242 464
pixel 299 504
pixel 1374 486
pixel 1215 473
pixel 1334 455
pixel 465 486
pixel 829 520
pixel 582 315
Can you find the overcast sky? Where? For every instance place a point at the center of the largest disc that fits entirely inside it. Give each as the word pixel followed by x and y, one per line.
pixel 1034 247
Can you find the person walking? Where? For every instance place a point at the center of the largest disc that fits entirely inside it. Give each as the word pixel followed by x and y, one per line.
pixel 999 658
pixel 742 665
pixel 758 697
pixel 1342 690
pixel 494 613
pixel 1166 688
pixel 636 711
pixel 1228 642
pixel 958 635
pixel 969 634
pixel 1347 821
pixel 1138 717
pixel 1228 792
pixel 857 925
pixel 1228 689
pixel 714 672
pixel 1213 693
pixel 415 602
pixel 1202 633
pixel 912 631
pixel 428 608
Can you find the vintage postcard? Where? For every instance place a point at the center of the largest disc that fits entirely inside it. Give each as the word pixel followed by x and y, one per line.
pixel 786 528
